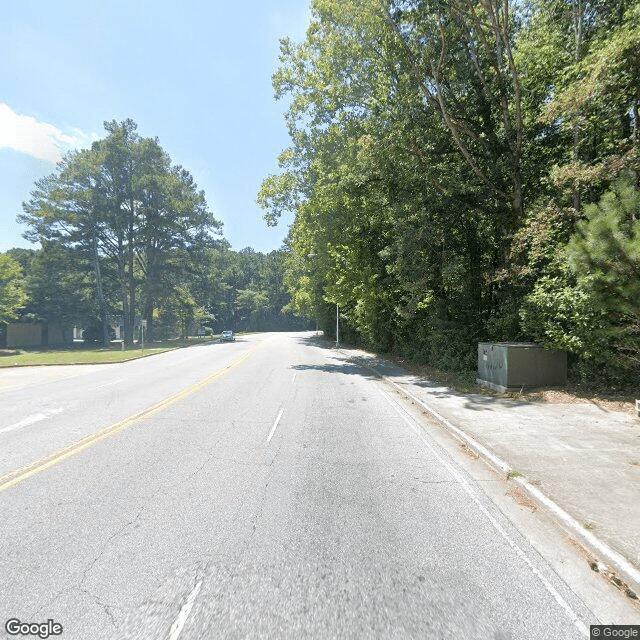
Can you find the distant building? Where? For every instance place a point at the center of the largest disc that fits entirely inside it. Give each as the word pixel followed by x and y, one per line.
pixel 35 334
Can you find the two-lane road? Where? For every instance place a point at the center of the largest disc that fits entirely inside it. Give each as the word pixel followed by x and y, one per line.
pixel 260 489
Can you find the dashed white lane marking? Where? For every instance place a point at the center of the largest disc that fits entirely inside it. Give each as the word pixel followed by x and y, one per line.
pixel 32 419
pixel 176 627
pixel 573 616
pixel 275 424
pixel 107 384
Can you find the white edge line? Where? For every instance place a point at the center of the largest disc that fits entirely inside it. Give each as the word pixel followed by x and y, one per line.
pixel 501 464
pixel 176 627
pixel 275 424
pixel 613 556
pixel 496 525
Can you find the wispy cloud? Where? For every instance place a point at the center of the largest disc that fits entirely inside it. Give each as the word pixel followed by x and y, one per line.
pixel 38 139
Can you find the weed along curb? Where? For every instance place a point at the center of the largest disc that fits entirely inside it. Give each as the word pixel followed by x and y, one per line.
pixel 623 574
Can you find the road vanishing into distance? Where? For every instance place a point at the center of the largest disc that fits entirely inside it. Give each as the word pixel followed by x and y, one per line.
pixel 267 488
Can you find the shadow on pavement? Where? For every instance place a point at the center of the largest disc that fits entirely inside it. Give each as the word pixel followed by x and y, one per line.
pixel 347 368
pixel 473 401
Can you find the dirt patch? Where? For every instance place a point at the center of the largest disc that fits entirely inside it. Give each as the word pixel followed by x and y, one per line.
pixel 623 404
pixel 606 572
pixel 468 451
pixel 522 498
pixel 591 559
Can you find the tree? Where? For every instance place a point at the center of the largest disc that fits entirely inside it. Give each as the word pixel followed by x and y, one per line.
pixel 125 209
pixel 405 177
pixel 13 296
pixel 591 307
pixel 60 289
pixel 606 251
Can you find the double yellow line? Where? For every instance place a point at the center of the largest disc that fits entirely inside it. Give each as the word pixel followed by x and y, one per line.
pixel 38 466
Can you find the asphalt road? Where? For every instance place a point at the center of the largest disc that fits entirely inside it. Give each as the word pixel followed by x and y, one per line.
pixel 265 488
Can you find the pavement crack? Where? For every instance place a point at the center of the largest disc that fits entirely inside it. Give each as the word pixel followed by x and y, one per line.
pixel 210 457
pixel 106 608
pixel 117 534
pixel 48 604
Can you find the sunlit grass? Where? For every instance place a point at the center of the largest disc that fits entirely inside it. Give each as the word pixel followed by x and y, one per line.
pixel 81 356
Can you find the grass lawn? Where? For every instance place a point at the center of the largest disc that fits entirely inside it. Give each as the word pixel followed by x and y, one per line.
pixel 81 355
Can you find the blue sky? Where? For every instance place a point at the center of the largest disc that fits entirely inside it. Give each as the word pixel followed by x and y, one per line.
pixel 196 74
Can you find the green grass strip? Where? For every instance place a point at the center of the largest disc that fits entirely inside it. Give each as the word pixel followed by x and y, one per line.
pixel 80 356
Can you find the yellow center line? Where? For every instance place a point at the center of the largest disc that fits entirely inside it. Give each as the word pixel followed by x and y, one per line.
pixel 14 477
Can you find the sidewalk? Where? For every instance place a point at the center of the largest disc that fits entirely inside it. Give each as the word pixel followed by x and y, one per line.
pixel 583 458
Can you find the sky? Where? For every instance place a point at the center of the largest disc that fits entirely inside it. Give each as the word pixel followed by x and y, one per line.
pixel 196 74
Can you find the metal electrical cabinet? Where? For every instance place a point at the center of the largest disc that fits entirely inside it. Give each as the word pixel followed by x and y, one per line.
pixel 508 366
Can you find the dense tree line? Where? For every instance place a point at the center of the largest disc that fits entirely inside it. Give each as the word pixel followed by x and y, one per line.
pixel 464 171
pixel 126 236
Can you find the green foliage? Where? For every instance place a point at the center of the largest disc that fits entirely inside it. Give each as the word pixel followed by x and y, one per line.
pixel 60 287
pixel 13 296
pixel 125 211
pixel 605 251
pixel 561 313
pixel 593 308
pixel 441 154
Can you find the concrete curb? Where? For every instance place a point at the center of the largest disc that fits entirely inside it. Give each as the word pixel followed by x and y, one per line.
pixel 622 566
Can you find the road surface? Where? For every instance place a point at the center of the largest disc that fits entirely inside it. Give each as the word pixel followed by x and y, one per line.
pixel 266 488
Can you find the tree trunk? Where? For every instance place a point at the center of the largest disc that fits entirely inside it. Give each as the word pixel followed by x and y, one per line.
pixel 131 275
pixel 99 292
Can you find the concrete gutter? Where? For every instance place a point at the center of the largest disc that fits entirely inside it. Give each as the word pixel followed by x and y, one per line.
pixel 625 570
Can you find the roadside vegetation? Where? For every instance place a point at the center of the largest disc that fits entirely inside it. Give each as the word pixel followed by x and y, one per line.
pixel 23 357
pixel 80 353
pixel 467 171
pixel 126 237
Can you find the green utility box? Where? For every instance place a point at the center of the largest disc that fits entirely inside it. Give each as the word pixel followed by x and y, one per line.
pixel 510 366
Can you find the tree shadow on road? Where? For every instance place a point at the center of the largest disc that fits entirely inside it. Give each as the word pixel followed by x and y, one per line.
pixel 346 368
pixel 362 364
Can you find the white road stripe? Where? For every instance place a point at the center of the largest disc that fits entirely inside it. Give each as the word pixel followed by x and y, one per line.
pixel 108 384
pixel 470 492
pixel 176 628
pixel 294 377
pixel 32 419
pixel 275 424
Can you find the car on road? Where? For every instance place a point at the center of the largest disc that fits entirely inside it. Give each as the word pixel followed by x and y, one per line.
pixel 227 336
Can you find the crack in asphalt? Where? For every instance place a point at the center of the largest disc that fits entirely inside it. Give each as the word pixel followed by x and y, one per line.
pixel 103 605
pixel 119 533
pixel 49 602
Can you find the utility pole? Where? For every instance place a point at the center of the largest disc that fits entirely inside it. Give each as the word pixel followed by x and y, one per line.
pixel 337 325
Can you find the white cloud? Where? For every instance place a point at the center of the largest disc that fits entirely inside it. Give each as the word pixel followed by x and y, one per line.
pixel 38 139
